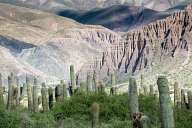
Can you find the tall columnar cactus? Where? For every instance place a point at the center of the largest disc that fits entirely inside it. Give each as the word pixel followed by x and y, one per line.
pixel 24 90
pixel 167 118
pixel 95 115
pixel 45 99
pixel 141 82
pixel 72 77
pixel 189 94
pixel 29 94
pixel 143 87
pixel 59 92
pixel 89 83
pixel 83 87
pixel 113 79
pixel 101 87
pixel 1 91
pixel 18 93
pixel 50 92
pixel 10 102
pixel 64 86
pixel 35 96
pixel 177 95
pixel 183 99
pixel 95 81
pixel 151 90
pixel 133 97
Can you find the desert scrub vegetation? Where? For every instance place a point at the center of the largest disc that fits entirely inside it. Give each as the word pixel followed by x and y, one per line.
pixel 75 112
pixel 90 106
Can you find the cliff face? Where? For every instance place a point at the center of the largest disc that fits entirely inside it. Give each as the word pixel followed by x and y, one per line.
pixel 160 47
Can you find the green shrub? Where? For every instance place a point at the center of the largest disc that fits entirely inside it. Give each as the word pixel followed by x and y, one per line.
pixel 183 118
pixel 111 106
pixel 9 119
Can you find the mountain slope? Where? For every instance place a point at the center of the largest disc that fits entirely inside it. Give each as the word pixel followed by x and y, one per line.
pixel 58 5
pixel 49 44
pixel 162 47
pixel 117 17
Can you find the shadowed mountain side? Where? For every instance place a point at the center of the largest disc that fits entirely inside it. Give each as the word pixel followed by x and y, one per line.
pixel 57 5
pixel 117 17
pixel 13 45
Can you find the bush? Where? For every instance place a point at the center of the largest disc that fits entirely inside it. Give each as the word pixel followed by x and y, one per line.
pixel 183 118
pixel 9 119
pixel 110 106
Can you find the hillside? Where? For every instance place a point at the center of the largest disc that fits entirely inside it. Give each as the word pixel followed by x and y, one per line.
pixel 45 45
pixel 54 42
pixel 117 17
pixel 59 5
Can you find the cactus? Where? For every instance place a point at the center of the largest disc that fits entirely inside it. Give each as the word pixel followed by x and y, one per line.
pixel 24 90
pixel 95 115
pixel 83 87
pixel 145 121
pixel 189 94
pixel 143 87
pixel 59 92
pixel 18 93
pixel 45 99
pixel 101 87
pixel 29 94
pixel 1 91
pixel 89 83
pixel 133 97
pixel 10 102
pixel 39 100
pixel 64 86
pixel 113 79
pixel 54 99
pixel 50 92
pixel 151 90
pixel 177 95
pixel 183 99
pixel 167 118
pixel 35 96
pixel 95 81
pixel 72 77
pixel 113 91
pixel 141 83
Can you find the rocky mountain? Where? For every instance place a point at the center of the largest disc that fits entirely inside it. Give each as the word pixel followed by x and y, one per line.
pixel 42 44
pixel 58 5
pixel 117 17
pixel 162 47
